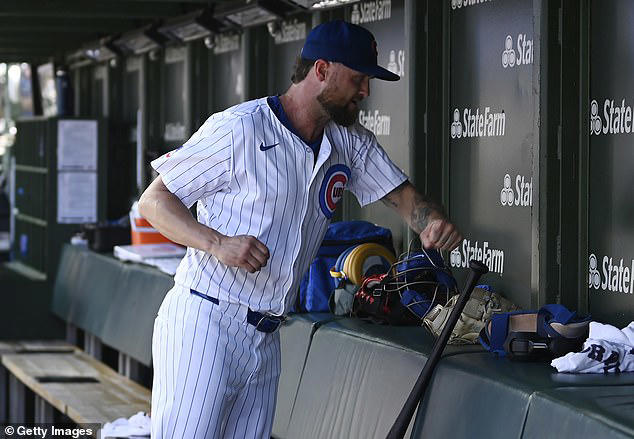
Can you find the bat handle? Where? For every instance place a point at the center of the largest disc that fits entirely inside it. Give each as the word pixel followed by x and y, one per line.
pixel 477 269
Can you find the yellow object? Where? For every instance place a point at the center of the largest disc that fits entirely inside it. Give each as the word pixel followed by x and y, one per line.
pixel 337 274
pixel 353 265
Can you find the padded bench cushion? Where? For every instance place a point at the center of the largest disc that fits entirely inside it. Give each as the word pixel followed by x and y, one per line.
pixel 81 274
pixel 580 412
pixel 353 384
pixel 491 394
pixel 134 305
pixel 413 338
pixel 295 338
pixel 113 300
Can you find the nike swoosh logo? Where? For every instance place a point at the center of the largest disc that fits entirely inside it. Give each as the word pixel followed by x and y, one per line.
pixel 264 147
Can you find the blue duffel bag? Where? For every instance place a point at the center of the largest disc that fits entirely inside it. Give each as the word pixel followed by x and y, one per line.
pixel 317 284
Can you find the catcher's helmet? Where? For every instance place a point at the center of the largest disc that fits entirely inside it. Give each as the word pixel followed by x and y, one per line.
pixel 415 283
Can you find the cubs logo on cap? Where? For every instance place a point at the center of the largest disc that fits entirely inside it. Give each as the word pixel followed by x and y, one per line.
pixel 348 44
pixel 332 187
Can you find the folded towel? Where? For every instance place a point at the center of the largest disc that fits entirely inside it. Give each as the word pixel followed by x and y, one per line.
pixel 607 350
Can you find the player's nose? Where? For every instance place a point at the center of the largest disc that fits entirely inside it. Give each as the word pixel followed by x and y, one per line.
pixel 364 90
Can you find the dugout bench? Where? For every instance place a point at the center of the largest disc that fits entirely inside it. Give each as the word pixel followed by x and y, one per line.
pixel 111 303
pixel 358 375
pixel 341 378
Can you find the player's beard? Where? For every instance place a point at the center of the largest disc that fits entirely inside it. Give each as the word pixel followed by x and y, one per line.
pixel 339 113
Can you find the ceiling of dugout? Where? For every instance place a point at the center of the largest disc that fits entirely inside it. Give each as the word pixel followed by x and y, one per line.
pixel 40 30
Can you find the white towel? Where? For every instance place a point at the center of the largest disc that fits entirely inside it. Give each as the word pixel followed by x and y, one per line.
pixel 607 350
pixel 137 426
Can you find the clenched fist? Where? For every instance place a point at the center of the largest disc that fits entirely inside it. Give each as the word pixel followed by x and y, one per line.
pixel 440 234
pixel 242 251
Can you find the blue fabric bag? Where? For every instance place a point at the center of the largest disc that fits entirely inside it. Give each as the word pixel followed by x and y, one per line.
pixel 317 284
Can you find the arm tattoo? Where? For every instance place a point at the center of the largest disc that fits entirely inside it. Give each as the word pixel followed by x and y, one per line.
pixel 419 216
pixel 391 199
pixel 417 213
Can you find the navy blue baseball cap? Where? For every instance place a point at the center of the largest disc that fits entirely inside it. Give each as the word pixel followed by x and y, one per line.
pixel 346 43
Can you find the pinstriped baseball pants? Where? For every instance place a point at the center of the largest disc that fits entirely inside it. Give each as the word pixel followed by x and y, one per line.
pixel 215 376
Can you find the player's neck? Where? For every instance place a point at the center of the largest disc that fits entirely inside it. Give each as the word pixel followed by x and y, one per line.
pixel 306 115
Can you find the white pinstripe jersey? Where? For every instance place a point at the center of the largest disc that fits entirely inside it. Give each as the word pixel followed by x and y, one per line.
pixel 252 176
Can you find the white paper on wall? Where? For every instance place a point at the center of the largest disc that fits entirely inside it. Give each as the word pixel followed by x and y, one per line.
pixel 77 145
pixel 76 197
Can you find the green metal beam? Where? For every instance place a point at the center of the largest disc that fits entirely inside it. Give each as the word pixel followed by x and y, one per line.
pixel 41 41
pixel 198 2
pixel 45 52
pixel 9 25
pixel 35 59
pixel 89 9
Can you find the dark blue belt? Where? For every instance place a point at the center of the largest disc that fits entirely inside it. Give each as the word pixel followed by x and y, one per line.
pixel 262 322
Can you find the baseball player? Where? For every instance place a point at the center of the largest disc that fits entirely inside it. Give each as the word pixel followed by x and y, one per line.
pixel 266 176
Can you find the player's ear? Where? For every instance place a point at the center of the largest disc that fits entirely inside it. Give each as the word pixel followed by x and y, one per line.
pixel 321 67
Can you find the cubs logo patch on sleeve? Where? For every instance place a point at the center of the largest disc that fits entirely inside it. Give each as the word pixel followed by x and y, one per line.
pixel 332 187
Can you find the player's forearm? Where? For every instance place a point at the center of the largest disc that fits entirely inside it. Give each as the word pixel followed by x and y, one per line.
pixel 170 216
pixel 416 209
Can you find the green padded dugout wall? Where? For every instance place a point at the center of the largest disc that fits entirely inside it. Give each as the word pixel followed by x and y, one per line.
pixel 581 412
pixel 357 377
pixel 112 300
pixel 611 157
pixel 295 338
pixel 482 395
pixel 345 391
pixel 493 192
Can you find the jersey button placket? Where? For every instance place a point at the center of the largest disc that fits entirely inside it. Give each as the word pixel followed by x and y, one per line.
pixel 310 158
pixel 302 229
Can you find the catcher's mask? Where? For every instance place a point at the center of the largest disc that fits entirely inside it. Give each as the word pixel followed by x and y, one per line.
pixel 416 282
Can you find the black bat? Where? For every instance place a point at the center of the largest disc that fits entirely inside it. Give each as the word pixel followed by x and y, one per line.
pixel 402 421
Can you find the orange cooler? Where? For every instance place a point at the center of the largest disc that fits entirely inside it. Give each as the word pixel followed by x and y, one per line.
pixel 142 231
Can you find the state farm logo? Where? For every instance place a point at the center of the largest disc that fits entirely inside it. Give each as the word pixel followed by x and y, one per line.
pixel 376 122
pixel 457 4
pixel 290 31
pixel 594 277
pixel 522 195
pixel 492 258
pixel 508 55
pixel 524 54
pixel 617 119
pixel 227 42
pixel 396 62
pixel 595 120
pixel 477 123
pixel 610 276
pixel 369 11
pixel 456 126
